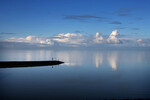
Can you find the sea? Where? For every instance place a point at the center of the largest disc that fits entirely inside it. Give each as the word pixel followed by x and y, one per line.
pixel 86 74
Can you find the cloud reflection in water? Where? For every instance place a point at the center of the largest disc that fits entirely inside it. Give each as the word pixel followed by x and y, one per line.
pixel 100 58
pixel 110 57
pixel 71 58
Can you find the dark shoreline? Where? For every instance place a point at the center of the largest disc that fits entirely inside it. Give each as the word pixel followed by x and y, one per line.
pixel 13 64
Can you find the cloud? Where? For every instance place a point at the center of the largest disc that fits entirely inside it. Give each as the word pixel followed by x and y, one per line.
pixel 79 40
pixel 115 22
pixel 83 18
pixel 73 39
pixel 68 35
pixel 77 31
pixel 4 33
pixel 68 39
pixel 117 28
pixel 98 38
pixel 135 33
pixel 113 37
pixel 135 28
pixel 139 18
pixel 124 12
pixel 30 39
pixel 20 45
pixel 144 42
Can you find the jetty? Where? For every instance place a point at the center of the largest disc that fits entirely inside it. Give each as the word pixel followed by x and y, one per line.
pixel 12 64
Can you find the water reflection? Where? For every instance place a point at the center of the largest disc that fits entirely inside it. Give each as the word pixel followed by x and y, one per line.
pixel 37 55
pixel 123 57
pixel 93 79
pixel 76 58
pixel 71 58
pixel 98 58
pixel 112 59
pixel 80 57
pixel 28 56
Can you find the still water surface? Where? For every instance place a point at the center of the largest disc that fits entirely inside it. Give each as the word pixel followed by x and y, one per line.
pixel 86 74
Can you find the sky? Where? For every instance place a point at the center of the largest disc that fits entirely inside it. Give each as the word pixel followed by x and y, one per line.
pixel 75 22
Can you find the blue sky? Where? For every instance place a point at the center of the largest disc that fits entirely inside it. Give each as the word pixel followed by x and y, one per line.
pixel 21 18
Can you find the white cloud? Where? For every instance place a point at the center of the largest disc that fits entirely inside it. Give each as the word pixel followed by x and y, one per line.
pixel 68 35
pixel 112 37
pixel 98 38
pixel 78 40
pixel 144 42
pixel 30 39
pixel 69 38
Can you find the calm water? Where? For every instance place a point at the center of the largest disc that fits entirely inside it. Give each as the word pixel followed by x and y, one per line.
pixel 86 74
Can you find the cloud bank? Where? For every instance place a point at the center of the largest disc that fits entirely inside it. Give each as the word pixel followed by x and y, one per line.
pixel 30 39
pixel 79 40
